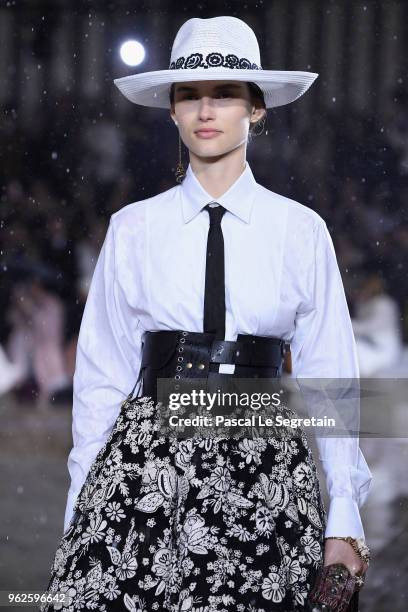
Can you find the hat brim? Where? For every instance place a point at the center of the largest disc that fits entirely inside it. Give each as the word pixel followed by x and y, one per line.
pixel 151 89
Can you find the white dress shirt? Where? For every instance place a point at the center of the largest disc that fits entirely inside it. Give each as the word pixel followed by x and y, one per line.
pixel 281 279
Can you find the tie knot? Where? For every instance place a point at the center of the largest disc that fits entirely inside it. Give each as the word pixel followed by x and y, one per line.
pixel 216 213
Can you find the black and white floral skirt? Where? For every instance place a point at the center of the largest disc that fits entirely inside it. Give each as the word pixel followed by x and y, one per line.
pixel 193 525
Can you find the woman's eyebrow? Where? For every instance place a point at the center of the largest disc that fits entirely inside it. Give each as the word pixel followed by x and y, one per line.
pixel 185 88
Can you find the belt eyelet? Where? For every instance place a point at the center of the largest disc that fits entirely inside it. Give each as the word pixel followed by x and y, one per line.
pixel 180 358
pixel 177 376
pixel 185 333
pixel 182 340
pixel 181 349
pixel 179 368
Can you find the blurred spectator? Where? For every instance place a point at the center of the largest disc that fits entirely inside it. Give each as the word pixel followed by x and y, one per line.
pixel 397 132
pixel 36 340
pixel 11 374
pixel 103 150
pixel 376 327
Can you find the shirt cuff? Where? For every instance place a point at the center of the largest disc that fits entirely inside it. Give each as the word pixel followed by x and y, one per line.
pixel 344 518
pixel 348 480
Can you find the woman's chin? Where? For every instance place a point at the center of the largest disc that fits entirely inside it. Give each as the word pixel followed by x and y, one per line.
pixel 211 151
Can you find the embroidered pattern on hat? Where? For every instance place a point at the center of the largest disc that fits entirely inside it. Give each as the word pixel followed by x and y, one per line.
pixel 213 59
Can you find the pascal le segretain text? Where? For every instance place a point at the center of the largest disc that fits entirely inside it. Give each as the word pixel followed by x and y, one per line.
pixel 255 420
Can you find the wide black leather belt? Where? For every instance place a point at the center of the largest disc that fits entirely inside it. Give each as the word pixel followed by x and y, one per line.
pixel 179 354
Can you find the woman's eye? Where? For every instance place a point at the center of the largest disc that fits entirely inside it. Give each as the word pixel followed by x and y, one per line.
pixel 224 94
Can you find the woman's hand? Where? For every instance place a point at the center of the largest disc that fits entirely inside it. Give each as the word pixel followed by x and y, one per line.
pixel 339 551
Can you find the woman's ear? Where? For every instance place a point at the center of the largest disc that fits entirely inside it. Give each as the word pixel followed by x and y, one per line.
pixel 257 114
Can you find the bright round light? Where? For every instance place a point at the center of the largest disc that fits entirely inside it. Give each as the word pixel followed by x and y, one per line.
pixel 132 53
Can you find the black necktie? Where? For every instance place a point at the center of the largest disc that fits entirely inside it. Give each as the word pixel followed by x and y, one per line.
pixel 214 298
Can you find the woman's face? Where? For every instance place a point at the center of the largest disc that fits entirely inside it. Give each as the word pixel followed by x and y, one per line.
pixel 224 106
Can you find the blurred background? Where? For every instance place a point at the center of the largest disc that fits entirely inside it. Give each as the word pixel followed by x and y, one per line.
pixel 74 150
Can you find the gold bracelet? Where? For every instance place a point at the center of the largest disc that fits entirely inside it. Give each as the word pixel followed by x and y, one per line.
pixel 359 546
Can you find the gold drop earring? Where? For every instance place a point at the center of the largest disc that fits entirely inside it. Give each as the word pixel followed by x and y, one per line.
pixel 261 124
pixel 180 172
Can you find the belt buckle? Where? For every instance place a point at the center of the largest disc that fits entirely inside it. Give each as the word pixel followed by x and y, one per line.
pixel 217 349
pixel 224 351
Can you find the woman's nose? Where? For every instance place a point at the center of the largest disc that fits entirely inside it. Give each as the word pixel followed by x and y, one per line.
pixel 206 106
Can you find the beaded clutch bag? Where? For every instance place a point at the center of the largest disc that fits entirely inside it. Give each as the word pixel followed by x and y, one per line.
pixel 336 589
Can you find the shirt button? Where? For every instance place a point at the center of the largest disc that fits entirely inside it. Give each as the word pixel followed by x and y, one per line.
pixel 201 366
pixel 189 365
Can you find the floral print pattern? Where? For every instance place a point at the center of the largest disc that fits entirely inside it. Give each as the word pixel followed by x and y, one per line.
pixel 191 525
pixel 211 60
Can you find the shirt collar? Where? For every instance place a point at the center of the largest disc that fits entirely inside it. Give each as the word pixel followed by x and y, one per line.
pixel 238 199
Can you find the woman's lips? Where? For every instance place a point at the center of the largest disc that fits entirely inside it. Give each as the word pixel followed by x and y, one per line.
pixel 207 134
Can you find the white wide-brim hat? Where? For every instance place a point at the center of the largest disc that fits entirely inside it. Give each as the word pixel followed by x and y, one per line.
pixel 218 48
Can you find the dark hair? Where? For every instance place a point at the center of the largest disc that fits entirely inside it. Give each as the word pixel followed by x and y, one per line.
pixel 257 99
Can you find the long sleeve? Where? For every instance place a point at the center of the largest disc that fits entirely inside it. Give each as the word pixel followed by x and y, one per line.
pixel 107 363
pixel 323 347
